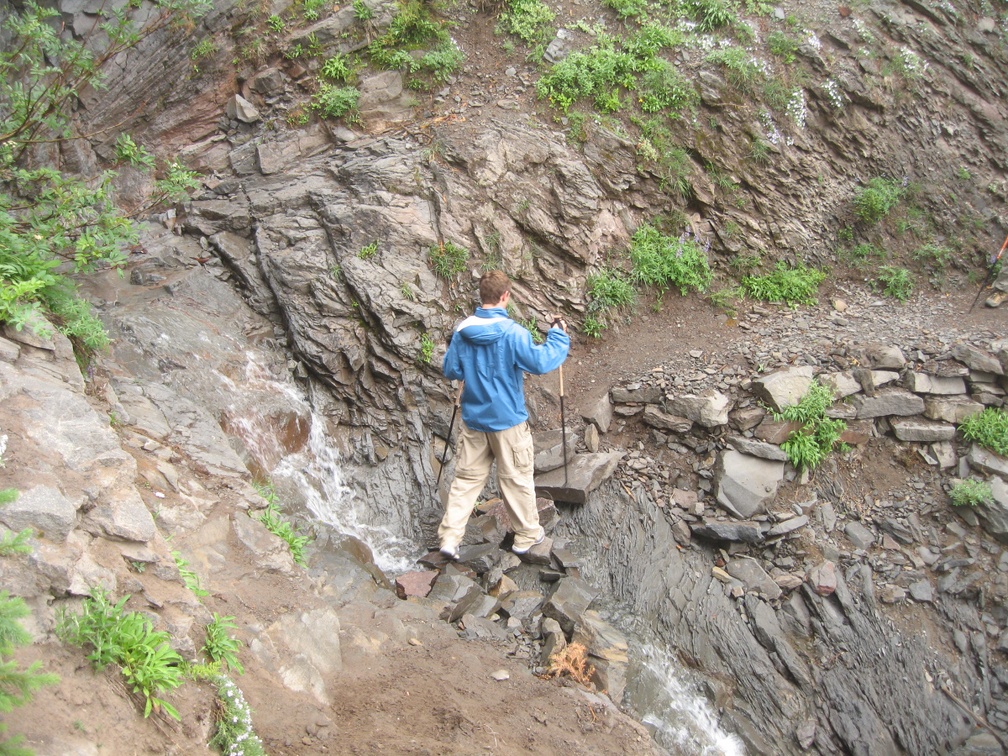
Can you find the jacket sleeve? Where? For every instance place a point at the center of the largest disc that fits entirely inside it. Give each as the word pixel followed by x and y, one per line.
pixel 541 358
pixel 452 366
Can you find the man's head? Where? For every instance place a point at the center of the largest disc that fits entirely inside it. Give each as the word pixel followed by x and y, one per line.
pixel 493 286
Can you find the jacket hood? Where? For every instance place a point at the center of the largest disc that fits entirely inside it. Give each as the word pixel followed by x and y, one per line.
pixel 486 326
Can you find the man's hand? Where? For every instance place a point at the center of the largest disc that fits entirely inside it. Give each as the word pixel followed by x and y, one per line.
pixel 557 321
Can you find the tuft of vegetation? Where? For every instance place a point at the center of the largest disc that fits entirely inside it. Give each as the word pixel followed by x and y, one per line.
pixel 792 286
pixel 572 662
pixel 608 290
pixel 876 199
pixel 426 349
pixel 222 647
pixel 808 446
pixel 336 102
pixel 448 259
pixel 895 282
pixel 665 261
pixel 127 639
pixel 12 543
pixel 971 493
pixel 17 686
pixel 273 520
pixel 189 576
pixel 988 428
pixel 368 250
pixel 529 20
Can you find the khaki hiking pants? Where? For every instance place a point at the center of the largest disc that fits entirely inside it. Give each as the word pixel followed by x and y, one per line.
pixel 477 451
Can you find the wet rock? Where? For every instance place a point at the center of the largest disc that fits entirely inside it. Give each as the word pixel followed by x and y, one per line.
pixel 417 583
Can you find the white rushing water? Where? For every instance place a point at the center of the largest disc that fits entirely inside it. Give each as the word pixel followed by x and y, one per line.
pixel 318 477
pixel 679 717
pixel 311 474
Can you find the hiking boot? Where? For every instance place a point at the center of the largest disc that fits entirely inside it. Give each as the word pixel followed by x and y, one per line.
pixel 451 553
pixel 996 299
pixel 540 539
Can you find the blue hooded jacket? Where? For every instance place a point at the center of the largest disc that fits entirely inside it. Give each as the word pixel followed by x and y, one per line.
pixel 492 353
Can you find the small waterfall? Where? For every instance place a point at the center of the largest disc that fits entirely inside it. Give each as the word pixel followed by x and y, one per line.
pixel 285 443
pixel 317 475
pixel 678 716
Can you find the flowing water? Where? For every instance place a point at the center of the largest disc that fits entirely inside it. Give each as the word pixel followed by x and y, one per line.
pixel 287 446
pixel 679 719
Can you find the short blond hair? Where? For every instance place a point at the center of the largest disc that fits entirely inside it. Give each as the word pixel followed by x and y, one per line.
pixel 493 285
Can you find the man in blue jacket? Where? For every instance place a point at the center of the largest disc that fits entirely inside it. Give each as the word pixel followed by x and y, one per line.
pixel 491 353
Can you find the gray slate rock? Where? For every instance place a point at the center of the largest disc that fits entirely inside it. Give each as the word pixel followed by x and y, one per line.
pixel 585 473
pixel 745 483
pixel 783 388
pixel 729 530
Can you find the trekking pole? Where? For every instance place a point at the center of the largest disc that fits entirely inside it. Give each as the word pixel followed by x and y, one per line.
pixel 990 274
pixel 563 425
pixel 444 454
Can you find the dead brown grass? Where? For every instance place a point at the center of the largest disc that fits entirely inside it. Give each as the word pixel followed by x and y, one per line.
pixel 571 662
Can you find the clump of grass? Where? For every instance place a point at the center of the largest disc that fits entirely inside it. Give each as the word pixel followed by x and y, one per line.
pixel 792 286
pixel 988 428
pixel 426 349
pixel 808 446
pixel 608 290
pixel 895 282
pixel 336 102
pixel 448 259
pixel 665 261
pixel 876 199
pixel 971 492
pixel 127 639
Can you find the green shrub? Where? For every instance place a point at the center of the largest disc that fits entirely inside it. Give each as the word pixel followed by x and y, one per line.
pixel 808 446
pixel 988 428
pixel 665 261
pixel 335 102
pixel 189 576
pixel 127 639
pixel 529 20
pixel 783 46
pixel 368 250
pixel 593 327
pixel 362 11
pixel 743 70
pixel 597 73
pixel 933 255
pixel 792 286
pixel 895 282
pixel 336 68
pixel 448 259
pixel 710 14
pixel 17 686
pixel 609 289
pixel 876 199
pixel 627 8
pixel 663 88
pixel 971 492
pixel 442 62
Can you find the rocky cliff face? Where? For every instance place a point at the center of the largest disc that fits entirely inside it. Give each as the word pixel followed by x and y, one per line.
pixel 319 241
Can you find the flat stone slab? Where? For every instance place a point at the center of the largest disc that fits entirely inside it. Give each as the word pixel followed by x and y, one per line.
pixel 585 473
